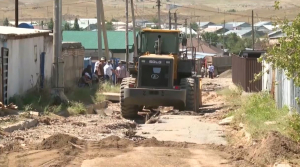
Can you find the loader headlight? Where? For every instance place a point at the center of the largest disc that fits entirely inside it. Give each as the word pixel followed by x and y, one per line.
pixel 168 62
pixel 143 61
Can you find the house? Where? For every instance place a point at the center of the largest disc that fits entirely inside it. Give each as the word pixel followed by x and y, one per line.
pixel 215 29
pixel 267 28
pixel 236 25
pixel 244 33
pixel 89 40
pixel 141 22
pixel 203 25
pixel 30 59
pixel 262 23
pixel 276 34
pixel 184 29
pixel 83 23
pixel 204 47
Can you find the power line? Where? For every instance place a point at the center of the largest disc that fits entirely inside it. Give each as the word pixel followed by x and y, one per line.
pixel 41 7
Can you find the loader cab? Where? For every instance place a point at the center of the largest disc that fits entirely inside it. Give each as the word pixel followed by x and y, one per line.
pixel 170 40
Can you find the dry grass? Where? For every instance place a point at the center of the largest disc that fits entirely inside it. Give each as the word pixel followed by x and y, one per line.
pixel 145 10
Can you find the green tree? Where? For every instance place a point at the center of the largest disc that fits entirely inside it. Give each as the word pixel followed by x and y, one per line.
pixel 154 20
pixel 76 25
pixel 67 26
pixel 114 20
pixel 285 55
pixel 6 22
pixel 195 26
pixel 109 26
pixel 234 43
pixel 50 24
pixel 211 38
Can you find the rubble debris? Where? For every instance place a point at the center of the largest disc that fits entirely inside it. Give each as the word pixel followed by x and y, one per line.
pixel 226 121
pixel 82 124
pixel 10 109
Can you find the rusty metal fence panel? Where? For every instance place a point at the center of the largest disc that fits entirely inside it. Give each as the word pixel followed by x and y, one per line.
pixel 243 71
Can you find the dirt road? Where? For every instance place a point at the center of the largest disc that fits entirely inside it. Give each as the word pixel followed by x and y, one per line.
pixel 180 139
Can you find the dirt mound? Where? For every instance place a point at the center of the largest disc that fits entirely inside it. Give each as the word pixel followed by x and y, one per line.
pixel 117 142
pixel 274 147
pixel 59 141
pixel 11 147
pixel 226 74
pixel 122 125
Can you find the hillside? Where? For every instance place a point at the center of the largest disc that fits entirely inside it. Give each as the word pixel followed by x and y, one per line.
pixel 195 10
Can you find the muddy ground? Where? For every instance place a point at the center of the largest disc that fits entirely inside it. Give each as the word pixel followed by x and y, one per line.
pixel 191 139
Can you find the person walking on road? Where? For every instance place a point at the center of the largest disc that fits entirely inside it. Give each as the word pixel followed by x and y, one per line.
pixel 120 72
pixel 211 71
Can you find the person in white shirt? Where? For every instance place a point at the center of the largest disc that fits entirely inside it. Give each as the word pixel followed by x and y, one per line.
pixel 108 71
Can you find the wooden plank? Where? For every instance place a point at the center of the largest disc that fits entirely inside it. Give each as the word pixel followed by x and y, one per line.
pixel 112 96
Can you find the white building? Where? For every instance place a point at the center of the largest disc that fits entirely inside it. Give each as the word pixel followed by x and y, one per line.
pixel 26 49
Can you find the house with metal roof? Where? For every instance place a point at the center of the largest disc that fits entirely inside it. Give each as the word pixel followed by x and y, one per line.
pixel 244 33
pixel 89 40
pixel 203 25
pixel 276 34
pixel 262 23
pixel 236 25
pixel 215 29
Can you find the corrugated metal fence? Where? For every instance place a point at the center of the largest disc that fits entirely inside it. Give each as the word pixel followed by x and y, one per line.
pixel 243 71
pixel 285 92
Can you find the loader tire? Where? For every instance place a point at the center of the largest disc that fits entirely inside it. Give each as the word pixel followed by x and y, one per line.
pixel 127 111
pixel 188 85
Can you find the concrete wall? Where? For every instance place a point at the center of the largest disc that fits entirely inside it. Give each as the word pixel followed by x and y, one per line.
pixel 73 58
pixel 24 63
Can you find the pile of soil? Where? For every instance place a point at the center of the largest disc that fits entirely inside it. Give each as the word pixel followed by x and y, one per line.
pixel 226 74
pixel 11 147
pixel 117 142
pixel 273 148
pixel 58 141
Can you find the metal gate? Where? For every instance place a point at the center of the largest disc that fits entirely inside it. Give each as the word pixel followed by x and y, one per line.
pixel 4 74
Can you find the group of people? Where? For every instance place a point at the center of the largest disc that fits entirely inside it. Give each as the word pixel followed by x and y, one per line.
pixel 210 71
pixel 103 71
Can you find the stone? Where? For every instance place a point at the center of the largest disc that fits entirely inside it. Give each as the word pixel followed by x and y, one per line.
pixel 270 123
pixel 281 165
pixel 226 121
pixel 21 125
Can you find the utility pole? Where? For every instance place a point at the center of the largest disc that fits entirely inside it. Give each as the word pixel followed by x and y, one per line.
pixel 185 23
pixel 191 35
pixel 99 30
pixel 224 37
pixel 252 31
pixel 126 36
pixel 175 18
pixel 158 5
pixel 170 20
pixel 16 13
pixel 134 33
pixel 104 30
